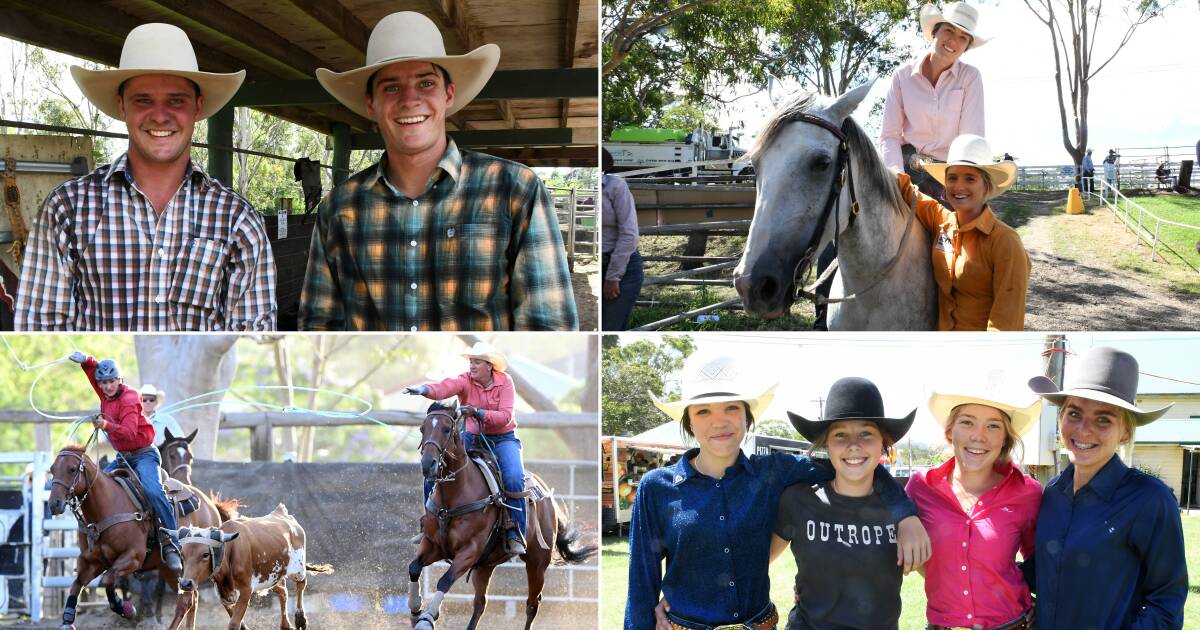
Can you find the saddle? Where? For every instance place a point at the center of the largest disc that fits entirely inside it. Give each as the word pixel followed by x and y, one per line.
pixel 183 501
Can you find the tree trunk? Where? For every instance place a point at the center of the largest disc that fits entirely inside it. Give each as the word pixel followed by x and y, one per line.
pixel 185 366
pixel 283 366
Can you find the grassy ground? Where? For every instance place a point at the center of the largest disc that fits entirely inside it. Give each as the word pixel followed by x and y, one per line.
pixel 614 567
pixel 1182 210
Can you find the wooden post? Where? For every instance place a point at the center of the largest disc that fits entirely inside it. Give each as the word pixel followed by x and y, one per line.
pixel 220 134
pixel 41 437
pixel 341 152
pixel 260 442
pixel 696 246
pixel 571 199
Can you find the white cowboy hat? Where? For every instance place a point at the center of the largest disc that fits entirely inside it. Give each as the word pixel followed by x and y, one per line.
pixel 410 36
pixel 963 16
pixel 1022 413
pixel 713 380
pixel 971 150
pixel 488 353
pixel 156 49
pixel 150 390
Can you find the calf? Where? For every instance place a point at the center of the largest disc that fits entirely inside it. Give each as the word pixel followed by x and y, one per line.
pixel 246 556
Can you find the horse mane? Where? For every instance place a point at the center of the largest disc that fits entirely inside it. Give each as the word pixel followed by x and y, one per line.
pixel 438 406
pixel 74 447
pixel 226 508
pixel 868 164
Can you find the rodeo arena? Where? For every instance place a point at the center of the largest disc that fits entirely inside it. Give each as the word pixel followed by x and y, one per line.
pixel 329 539
pixel 540 108
pixel 697 186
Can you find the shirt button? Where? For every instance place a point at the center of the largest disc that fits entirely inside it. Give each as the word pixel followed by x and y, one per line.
pixel 162 253
pixel 964 544
pixel 414 329
pixel 727 550
pixel 969 616
pixel 158 299
pixel 718 484
pixel 964 592
pixel 731 582
pixel 413 285
pixel 413 243
pixel 722 517
pixel 414 203
pixel 735 615
pixel 964 567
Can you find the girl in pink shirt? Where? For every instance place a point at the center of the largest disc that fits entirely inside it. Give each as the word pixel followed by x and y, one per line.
pixel 979 510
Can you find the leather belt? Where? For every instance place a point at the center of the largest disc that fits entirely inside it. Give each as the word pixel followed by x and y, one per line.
pixel 766 620
pixel 1024 622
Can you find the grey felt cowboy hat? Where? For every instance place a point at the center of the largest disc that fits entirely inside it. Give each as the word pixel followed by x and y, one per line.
pixel 853 398
pixel 156 49
pixel 1105 375
pixel 410 36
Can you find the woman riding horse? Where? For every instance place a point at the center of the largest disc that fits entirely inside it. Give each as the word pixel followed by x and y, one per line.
pixel 979 262
pixel 133 437
pixel 486 395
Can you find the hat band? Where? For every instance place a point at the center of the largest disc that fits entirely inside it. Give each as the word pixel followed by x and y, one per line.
pixel 1102 388
pixel 714 395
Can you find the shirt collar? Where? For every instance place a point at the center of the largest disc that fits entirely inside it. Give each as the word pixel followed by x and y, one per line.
pixel 450 164
pixel 1104 483
pixel 985 222
pixel 121 165
pixel 942 473
pixel 952 70
pixel 683 469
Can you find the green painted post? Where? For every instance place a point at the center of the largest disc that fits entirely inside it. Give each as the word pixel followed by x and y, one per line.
pixel 341 152
pixel 220 134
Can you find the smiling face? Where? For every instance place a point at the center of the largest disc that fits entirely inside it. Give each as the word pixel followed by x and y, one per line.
pixel 160 111
pixel 149 404
pixel 949 43
pixel 966 189
pixel 481 371
pixel 719 428
pixel 109 388
pixel 978 434
pixel 1091 431
pixel 854 447
pixel 408 101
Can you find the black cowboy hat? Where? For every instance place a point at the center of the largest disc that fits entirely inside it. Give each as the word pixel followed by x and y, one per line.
pixel 853 398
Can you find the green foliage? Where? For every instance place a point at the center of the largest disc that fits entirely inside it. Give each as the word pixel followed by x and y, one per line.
pixel 628 372
pixel 685 115
pixel 577 178
pixel 776 427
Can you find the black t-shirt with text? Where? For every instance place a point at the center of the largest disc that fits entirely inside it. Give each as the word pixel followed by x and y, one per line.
pixel 845 550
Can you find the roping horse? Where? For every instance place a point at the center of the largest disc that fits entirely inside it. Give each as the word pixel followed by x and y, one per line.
pixel 465 527
pixel 804 154
pixel 175 453
pixel 113 534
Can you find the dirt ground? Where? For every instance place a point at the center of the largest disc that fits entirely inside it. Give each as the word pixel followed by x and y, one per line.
pixel 1088 289
pixel 586 281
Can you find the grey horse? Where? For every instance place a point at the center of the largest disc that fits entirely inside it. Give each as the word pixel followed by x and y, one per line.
pixel 884 274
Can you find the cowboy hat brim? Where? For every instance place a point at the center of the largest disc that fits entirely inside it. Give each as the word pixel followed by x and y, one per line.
pixel 675 409
pixel 931 16
pixel 469 73
pixel 1002 175
pixel 100 87
pixel 1046 388
pixel 1021 418
pixel 812 430
pixel 497 360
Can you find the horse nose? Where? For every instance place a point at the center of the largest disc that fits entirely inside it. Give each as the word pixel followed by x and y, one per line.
pixel 427 467
pixel 186 585
pixel 56 506
pixel 760 294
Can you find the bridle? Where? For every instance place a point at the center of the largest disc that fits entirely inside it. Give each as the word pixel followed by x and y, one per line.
pixel 186 447
pixel 844 174
pixel 71 499
pixel 443 452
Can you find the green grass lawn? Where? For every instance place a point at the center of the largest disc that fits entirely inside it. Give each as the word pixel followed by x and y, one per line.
pixel 1181 210
pixel 614 567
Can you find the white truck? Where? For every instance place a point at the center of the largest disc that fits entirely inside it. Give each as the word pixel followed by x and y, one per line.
pixel 635 148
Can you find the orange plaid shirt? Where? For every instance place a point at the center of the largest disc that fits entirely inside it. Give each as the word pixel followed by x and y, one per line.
pixel 981 268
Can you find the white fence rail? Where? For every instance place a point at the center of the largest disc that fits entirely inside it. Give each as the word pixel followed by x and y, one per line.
pixel 1136 218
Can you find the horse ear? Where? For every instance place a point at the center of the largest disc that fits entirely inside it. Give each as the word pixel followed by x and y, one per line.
pixel 167 435
pixel 191 436
pixel 848 102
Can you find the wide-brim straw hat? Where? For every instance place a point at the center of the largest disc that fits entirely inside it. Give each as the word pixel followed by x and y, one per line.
pixel 713 380
pixel 150 390
pixel 487 352
pixel 410 36
pixel 963 16
pixel 971 150
pixel 853 398
pixel 1022 414
pixel 1102 374
pixel 156 49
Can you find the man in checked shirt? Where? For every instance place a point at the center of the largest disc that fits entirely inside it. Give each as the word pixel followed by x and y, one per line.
pixel 431 237
pixel 150 242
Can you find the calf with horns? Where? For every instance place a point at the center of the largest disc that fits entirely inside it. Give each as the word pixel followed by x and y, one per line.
pixel 246 556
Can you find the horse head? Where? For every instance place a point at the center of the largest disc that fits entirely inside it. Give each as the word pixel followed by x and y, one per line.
pixel 175 453
pixel 71 475
pixel 798 179
pixel 440 440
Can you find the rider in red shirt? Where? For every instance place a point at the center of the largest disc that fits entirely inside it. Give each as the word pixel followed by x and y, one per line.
pixel 132 436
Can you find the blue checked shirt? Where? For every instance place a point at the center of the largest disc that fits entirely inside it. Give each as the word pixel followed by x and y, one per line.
pixel 101 259
pixel 479 249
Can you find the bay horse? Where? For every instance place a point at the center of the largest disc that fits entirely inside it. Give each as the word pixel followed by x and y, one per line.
pixel 465 526
pixel 175 453
pixel 884 278
pixel 113 535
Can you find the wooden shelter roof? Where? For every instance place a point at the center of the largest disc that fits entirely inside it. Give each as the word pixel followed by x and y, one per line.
pixel 540 107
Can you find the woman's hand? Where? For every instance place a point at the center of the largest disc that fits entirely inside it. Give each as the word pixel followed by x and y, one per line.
pixel 912 546
pixel 661 622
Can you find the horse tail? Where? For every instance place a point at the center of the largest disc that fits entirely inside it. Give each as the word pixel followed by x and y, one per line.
pixel 567 540
pixel 323 569
pixel 226 508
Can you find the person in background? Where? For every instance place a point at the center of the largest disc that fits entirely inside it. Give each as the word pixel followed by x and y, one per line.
pixel 1110 168
pixel 621 264
pixel 1089 171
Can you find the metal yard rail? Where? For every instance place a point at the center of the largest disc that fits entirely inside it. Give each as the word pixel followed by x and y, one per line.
pixel 1138 219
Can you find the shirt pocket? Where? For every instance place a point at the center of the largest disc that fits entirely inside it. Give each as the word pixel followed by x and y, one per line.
pixel 196 288
pixel 470 262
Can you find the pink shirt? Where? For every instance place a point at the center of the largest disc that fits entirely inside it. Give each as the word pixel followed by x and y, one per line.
pixel 496 400
pixel 928 117
pixel 972 576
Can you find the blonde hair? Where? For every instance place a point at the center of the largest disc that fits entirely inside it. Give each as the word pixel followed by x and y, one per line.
pixel 1127 420
pixel 1011 439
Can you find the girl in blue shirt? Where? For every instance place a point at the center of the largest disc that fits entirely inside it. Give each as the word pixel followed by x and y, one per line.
pixel 710 515
pixel 1109 538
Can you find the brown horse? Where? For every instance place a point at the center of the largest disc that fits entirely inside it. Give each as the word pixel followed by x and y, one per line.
pixel 175 453
pixel 465 527
pixel 108 541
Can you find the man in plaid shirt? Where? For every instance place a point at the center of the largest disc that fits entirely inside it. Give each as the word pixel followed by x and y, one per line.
pixel 150 242
pixel 431 237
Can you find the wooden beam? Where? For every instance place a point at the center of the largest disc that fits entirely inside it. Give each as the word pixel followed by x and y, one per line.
pixel 225 22
pixel 488 138
pixel 506 114
pixel 453 15
pixel 339 20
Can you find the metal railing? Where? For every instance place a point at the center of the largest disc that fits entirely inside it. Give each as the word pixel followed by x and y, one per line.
pixel 1136 218
pixel 578 219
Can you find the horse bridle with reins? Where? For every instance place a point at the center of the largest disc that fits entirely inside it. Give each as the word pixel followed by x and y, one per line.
pixel 71 499
pixel 844 174
pixel 186 446
pixel 441 448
